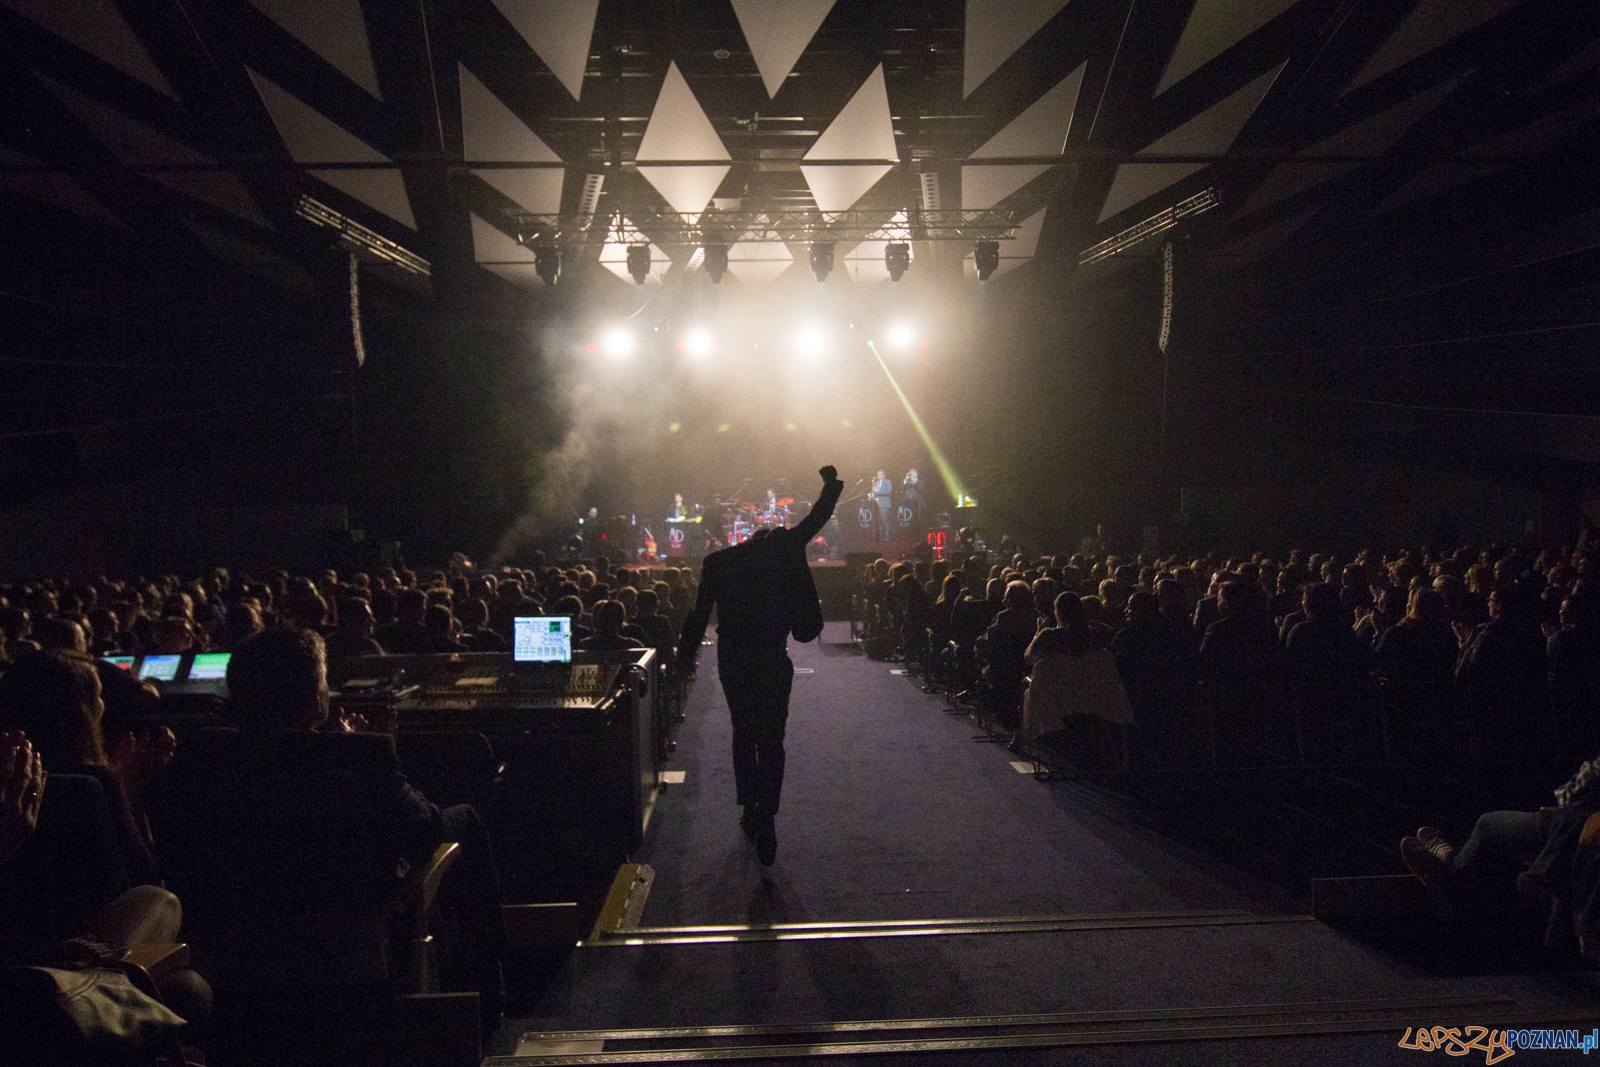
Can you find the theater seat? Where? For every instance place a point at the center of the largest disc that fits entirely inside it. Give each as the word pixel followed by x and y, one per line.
pixel 282 848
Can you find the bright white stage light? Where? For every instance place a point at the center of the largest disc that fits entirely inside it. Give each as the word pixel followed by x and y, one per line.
pixel 618 341
pixel 810 340
pixel 698 343
pixel 901 335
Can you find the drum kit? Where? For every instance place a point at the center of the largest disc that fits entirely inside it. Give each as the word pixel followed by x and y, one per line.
pixel 740 519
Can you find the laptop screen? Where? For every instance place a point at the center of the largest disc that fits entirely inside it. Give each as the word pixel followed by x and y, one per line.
pixel 125 662
pixel 209 666
pixel 161 668
pixel 541 639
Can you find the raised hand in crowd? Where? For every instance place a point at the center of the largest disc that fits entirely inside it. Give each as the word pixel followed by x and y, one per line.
pixel 21 791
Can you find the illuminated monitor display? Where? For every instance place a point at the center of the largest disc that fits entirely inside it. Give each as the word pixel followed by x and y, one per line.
pixel 125 662
pixel 161 668
pixel 541 639
pixel 209 666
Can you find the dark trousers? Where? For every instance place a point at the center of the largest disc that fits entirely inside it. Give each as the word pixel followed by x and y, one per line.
pixel 757 687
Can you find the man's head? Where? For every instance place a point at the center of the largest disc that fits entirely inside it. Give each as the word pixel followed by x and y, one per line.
pixel 878 477
pixel 173 634
pixel 1019 598
pixel 355 616
pixel 409 604
pixel 60 633
pixel 278 679
pixel 609 616
pixel 677 498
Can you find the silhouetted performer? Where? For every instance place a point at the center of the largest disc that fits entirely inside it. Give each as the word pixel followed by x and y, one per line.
pixel 883 496
pixel 763 592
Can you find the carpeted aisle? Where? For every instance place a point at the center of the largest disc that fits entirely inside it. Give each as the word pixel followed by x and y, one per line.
pixel 891 811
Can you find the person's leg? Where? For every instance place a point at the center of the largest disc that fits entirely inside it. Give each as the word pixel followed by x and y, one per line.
pixel 770 723
pixel 738 685
pixel 1502 840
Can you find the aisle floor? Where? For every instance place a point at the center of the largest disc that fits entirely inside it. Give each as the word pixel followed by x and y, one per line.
pixel 892 811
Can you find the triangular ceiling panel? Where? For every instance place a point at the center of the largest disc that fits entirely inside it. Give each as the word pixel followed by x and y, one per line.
pixel 680 130
pixel 334 30
pixel 777 32
pixel 139 146
pixel 1430 24
pixel 1497 153
pixel 1210 133
pixel 759 262
pixel 1369 138
pixel 685 189
pixel 312 137
pixel 558 31
pixel 489 245
pixel 254 259
pixel 49 187
pixel 491 133
pixel 1214 26
pixel 838 188
pixel 864 129
pixel 1017 251
pixel 997 28
pixel 1256 246
pixel 97 27
pixel 1041 130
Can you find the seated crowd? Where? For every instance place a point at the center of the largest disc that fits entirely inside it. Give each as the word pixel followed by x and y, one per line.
pixel 1461 658
pixel 108 821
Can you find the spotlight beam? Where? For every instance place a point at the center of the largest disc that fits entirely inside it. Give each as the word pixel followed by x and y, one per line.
pixel 952 482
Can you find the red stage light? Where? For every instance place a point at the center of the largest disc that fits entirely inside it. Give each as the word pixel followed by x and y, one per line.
pixel 590 347
pixel 679 346
pixel 922 343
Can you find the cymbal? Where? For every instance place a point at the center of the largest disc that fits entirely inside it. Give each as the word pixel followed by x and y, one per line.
pixel 785 501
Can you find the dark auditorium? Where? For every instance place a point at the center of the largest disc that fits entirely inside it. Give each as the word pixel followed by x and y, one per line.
pixel 1148 450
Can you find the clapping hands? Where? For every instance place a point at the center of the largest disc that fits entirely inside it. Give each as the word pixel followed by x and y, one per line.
pixel 21 791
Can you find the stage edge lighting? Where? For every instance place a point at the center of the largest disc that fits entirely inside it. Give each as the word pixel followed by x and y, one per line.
pixel 810 340
pixel 821 260
pixel 698 343
pixel 986 258
pixel 618 341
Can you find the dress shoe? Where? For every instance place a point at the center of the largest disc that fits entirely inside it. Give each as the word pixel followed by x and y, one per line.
pixel 766 841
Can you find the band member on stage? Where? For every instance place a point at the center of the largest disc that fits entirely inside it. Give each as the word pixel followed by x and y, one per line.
pixel 763 592
pixel 911 494
pixel 883 497
pixel 677 507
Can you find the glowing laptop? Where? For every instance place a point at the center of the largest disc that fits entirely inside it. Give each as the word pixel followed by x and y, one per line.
pixel 541 639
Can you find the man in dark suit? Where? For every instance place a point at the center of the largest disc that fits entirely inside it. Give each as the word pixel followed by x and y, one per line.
pixel 763 592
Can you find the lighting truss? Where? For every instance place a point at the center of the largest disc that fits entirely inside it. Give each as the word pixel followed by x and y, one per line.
pixel 771 227
pixel 1160 222
pixel 362 238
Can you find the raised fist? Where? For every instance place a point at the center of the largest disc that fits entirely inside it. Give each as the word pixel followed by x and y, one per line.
pixel 829 474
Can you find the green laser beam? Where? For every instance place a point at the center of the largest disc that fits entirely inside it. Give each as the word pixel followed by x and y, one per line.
pixel 952 482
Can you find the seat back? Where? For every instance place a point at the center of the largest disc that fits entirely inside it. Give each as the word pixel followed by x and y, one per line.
pixel 282 848
pixel 69 868
pixel 448 766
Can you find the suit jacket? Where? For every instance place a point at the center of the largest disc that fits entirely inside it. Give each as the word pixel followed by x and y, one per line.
pixel 762 589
